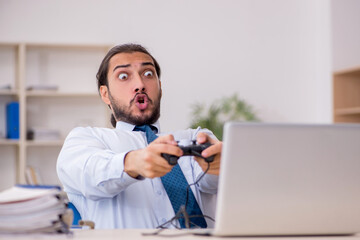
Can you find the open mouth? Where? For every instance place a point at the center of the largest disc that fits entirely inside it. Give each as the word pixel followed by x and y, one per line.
pixel 141 101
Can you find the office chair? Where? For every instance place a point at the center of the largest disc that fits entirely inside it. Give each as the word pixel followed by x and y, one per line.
pixel 77 217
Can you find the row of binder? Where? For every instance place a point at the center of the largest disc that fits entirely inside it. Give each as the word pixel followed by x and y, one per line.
pixel 34 133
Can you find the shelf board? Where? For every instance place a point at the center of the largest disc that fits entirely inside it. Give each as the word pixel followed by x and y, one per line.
pixel 70 45
pixel 9 142
pixel 8 44
pixel 347 111
pixel 5 92
pixel 43 143
pixel 58 94
pixel 353 70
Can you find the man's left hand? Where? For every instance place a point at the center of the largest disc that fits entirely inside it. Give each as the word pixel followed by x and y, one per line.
pixel 213 150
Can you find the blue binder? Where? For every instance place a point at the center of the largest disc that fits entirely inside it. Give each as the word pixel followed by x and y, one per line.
pixel 12 120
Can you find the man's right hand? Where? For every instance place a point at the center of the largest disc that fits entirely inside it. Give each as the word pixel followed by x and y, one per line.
pixel 147 162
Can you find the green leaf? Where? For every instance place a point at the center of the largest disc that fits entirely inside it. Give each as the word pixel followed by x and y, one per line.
pixel 227 109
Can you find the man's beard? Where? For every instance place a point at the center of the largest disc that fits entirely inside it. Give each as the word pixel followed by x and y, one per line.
pixel 124 113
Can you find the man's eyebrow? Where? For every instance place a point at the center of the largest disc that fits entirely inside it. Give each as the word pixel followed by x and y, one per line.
pixel 128 65
pixel 147 63
pixel 121 66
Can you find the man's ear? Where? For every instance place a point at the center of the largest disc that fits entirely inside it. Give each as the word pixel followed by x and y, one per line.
pixel 160 88
pixel 104 92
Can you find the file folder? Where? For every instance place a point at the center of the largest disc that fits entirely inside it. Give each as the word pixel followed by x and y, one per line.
pixel 12 120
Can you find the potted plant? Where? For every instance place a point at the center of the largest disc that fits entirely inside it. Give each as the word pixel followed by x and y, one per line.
pixel 226 109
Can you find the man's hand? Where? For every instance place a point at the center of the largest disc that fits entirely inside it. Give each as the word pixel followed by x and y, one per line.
pixel 214 149
pixel 148 162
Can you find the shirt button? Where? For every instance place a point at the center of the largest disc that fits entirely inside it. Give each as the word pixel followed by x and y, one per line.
pixel 159 192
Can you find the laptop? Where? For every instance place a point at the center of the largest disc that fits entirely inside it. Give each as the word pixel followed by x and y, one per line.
pixel 289 179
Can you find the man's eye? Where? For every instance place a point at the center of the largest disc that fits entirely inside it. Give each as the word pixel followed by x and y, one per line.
pixel 148 74
pixel 123 76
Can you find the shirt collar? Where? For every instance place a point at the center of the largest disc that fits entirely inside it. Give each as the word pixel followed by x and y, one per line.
pixel 129 127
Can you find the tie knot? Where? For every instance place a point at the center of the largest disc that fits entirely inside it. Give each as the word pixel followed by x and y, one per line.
pixel 149 131
pixel 145 128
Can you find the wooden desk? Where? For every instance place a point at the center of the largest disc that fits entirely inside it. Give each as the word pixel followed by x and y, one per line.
pixel 136 234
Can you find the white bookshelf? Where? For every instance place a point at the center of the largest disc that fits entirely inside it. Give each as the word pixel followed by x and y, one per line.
pixel 70 67
pixel 9 142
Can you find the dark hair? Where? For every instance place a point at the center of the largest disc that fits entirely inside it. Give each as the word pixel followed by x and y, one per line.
pixel 104 66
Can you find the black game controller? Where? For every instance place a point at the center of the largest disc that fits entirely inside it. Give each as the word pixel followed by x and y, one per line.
pixel 192 149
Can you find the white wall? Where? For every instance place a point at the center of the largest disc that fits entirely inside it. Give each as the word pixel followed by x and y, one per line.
pixel 275 54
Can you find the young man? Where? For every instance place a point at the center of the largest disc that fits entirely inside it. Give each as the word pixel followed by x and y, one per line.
pixel 118 177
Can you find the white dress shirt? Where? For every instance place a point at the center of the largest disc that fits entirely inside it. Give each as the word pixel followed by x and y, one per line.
pixel 91 169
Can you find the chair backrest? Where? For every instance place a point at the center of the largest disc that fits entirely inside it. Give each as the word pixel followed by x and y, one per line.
pixel 77 217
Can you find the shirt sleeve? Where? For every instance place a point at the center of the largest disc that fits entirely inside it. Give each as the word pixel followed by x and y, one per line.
pixel 86 166
pixel 209 183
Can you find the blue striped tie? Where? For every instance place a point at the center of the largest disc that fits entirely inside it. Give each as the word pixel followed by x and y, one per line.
pixel 175 185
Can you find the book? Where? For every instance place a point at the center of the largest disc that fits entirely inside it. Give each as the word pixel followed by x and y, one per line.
pixel 32 176
pixel 42 87
pixel 5 87
pixel 43 134
pixel 12 120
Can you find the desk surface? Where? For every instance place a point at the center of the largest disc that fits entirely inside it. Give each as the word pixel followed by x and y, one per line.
pixel 135 234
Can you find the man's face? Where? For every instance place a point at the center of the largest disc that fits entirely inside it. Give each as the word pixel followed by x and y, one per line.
pixel 134 90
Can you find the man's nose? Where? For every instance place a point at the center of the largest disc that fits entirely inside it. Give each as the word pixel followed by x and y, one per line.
pixel 139 85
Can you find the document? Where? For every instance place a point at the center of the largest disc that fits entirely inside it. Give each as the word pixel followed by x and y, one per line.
pixel 33 209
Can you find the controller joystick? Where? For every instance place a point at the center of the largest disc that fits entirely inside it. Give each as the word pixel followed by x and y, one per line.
pixel 192 149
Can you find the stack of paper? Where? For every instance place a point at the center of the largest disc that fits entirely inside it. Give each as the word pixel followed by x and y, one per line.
pixel 35 209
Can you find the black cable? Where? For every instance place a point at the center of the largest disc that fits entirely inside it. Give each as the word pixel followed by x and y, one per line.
pixel 182 213
pixel 188 187
pixel 176 217
pixel 177 234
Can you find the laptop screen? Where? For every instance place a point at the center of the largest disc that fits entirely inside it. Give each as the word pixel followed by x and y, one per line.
pixel 289 179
